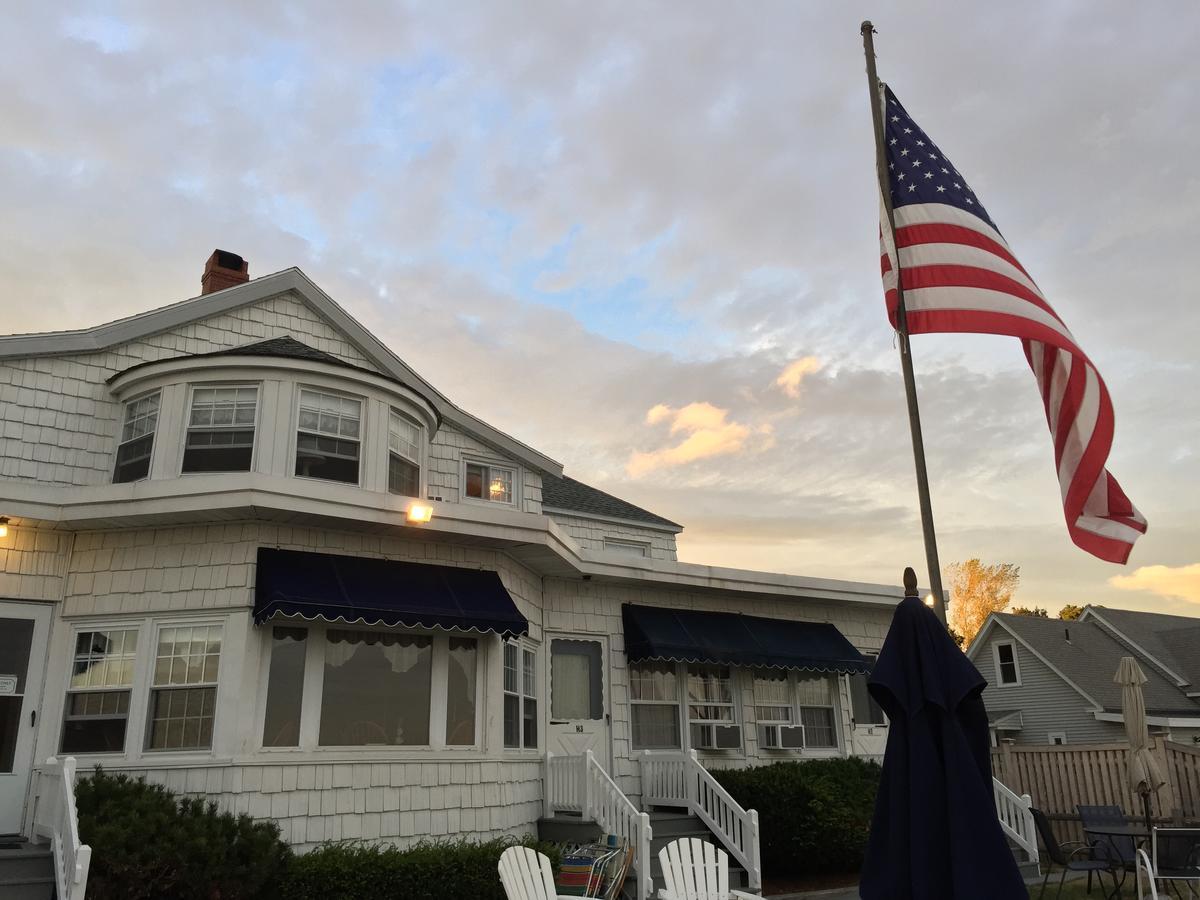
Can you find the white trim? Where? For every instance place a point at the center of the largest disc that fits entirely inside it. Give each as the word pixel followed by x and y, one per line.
pixel 516 500
pixel 290 280
pixel 1090 612
pixel 298 390
pixel 1168 721
pixel 1000 682
pixel 994 620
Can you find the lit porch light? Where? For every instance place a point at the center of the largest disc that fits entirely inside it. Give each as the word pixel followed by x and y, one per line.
pixel 929 600
pixel 3 526
pixel 419 513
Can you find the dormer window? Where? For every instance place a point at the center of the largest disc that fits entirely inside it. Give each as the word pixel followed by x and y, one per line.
pixel 404 456
pixel 487 482
pixel 220 435
pixel 328 435
pixel 137 439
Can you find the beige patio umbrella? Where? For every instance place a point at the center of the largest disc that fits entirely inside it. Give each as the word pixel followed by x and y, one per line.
pixel 1145 774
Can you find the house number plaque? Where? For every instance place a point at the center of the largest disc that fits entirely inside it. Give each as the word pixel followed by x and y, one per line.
pixel 8 684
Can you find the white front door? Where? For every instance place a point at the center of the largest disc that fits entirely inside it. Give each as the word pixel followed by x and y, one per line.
pixel 23 631
pixel 579 697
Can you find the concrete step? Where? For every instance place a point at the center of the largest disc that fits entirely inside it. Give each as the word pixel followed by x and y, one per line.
pixel 567 829
pixel 26 872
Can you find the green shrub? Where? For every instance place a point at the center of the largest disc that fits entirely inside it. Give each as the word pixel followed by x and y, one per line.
pixel 813 815
pixel 148 844
pixel 430 870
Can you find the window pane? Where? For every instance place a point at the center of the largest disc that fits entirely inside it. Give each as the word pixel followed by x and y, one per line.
pixel 95 722
pixel 285 687
pixel 188 655
pixel 404 437
pixel 475 477
pixel 818 727
pixel 529 731
pixel 576 686
pixel 221 430
pixel 181 718
pixel 512 720
pixel 404 477
pixel 510 668
pixel 709 683
pixel 815 690
pixel 460 692
pixel 133 460
pixel 773 696
pixel 376 689
pixel 529 679
pixel 655 726
pixel 653 681
pixel 500 485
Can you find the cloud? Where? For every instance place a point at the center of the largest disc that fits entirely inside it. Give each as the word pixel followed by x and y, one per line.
pixel 1182 582
pixel 793 374
pixel 709 433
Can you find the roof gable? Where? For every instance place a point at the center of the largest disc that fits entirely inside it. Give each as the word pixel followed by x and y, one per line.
pixel 1170 642
pixel 102 337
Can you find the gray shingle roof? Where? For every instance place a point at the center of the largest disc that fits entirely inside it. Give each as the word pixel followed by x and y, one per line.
pixel 575 496
pixel 1090 660
pixel 1173 640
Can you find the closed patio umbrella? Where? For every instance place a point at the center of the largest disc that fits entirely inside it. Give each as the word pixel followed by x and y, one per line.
pixel 1145 774
pixel 935 834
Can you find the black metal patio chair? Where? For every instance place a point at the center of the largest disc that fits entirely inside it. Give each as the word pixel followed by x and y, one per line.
pixel 1066 860
pixel 1118 850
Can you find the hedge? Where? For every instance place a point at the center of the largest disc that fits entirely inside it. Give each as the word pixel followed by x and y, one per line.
pixel 430 870
pixel 147 844
pixel 814 815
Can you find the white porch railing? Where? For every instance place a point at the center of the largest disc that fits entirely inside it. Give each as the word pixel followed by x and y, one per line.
pixel 678 779
pixel 580 784
pixel 1015 818
pixel 55 817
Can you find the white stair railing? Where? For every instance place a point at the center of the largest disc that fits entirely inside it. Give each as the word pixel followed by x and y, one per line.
pixel 1015 818
pixel 678 779
pixel 55 817
pixel 580 784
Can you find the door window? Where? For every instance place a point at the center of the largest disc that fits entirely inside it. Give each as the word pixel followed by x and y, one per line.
pixel 16 637
pixel 576 680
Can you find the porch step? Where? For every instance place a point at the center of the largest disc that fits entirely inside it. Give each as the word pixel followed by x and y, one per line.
pixel 565 829
pixel 670 824
pixel 26 872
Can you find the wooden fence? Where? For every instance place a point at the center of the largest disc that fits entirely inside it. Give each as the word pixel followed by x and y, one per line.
pixel 1059 778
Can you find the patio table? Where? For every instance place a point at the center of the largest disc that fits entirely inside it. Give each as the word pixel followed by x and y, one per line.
pixel 1137 833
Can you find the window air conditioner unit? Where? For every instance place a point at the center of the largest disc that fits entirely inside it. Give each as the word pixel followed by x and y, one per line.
pixel 781 737
pixel 717 737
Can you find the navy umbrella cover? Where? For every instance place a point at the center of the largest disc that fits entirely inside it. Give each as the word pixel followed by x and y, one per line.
pixel 935 834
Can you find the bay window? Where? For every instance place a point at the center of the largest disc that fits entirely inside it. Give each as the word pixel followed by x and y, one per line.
pixel 654 705
pixel 376 688
pixel 97 704
pixel 328 437
pixel 285 687
pixel 220 433
pixel 520 697
pixel 137 439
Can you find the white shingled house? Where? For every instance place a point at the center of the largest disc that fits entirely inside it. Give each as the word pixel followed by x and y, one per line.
pixel 251 554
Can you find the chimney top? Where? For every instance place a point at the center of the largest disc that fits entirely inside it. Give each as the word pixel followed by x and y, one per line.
pixel 223 270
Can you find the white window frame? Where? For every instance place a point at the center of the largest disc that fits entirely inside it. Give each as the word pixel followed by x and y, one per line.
pixel 678 703
pixel 733 703
pixel 314 682
pixel 294 442
pixel 517 480
pixel 1000 682
pixel 421 458
pixel 257 427
pixel 627 547
pixel 157 392
pixel 526 651
pixel 1056 738
pixel 155 630
pixel 138 628
pixel 835 706
pixel 790 682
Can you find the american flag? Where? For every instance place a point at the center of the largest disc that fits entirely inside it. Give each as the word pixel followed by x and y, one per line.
pixel 959 275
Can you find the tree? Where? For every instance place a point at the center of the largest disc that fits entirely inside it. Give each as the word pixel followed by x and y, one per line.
pixel 1070 612
pixel 1037 612
pixel 976 591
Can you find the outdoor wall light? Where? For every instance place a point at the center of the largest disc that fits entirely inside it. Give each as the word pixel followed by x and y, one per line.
pixel 929 600
pixel 3 526
pixel 419 513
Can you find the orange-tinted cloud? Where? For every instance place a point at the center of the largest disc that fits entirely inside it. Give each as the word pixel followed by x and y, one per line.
pixel 1166 581
pixel 794 373
pixel 707 432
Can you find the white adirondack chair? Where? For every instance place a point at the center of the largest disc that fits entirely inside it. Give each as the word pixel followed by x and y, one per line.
pixel 526 874
pixel 696 870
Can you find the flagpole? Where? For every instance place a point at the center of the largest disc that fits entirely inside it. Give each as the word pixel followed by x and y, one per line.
pixel 910 383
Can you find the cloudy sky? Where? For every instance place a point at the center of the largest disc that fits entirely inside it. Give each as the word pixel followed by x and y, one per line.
pixel 642 237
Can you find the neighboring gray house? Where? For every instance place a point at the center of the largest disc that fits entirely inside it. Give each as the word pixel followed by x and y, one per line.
pixel 1051 681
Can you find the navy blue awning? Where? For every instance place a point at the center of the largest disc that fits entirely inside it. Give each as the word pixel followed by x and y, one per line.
pixel 686 635
pixel 355 590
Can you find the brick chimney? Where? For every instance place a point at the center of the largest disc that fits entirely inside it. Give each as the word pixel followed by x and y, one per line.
pixel 223 270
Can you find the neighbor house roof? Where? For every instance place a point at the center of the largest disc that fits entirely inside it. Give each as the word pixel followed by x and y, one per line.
pixel 569 495
pixel 1171 641
pixel 1088 655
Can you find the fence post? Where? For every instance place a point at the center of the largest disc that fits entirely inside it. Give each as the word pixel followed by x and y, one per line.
pixel 755 873
pixel 642 855
pixel 585 795
pixel 547 787
pixel 692 780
